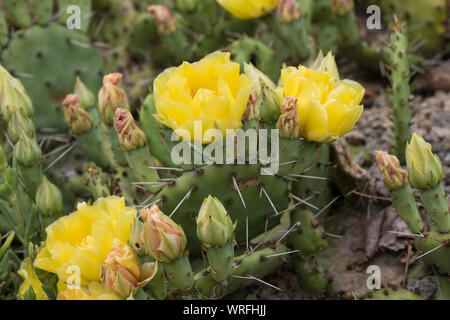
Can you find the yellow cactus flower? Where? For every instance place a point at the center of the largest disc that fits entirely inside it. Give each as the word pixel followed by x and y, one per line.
pixel 77 244
pixel 30 279
pixel 210 93
pixel 248 9
pixel 93 291
pixel 327 106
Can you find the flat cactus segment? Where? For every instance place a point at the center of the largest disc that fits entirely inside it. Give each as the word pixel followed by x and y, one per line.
pixel 393 294
pixel 434 248
pixel 43 10
pixel 218 181
pixel 47 60
pixel 18 13
pixel 4 32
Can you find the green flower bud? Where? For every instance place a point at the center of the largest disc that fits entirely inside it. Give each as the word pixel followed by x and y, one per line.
pixel 214 226
pixel 49 200
pixel 76 117
pixel 266 98
pixel 130 136
pixel 111 97
pixel 87 98
pixel 424 167
pixel 288 11
pixel 342 7
pixel 18 124
pixel 13 96
pixel 394 176
pixel 187 5
pixel 288 123
pixel 27 151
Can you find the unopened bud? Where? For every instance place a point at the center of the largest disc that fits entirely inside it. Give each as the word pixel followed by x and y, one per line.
pixel 342 7
pixel 424 167
pixel 76 117
pixel 87 98
pixel 111 97
pixel 27 151
pixel 49 200
pixel 164 240
pixel 288 123
pixel 288 11
pixel 164 19
pixel 187 5
pixel 18 124
pixel 130 136
pixel 252 110
pixel 394 176
pixel 265 99
pixel 214 226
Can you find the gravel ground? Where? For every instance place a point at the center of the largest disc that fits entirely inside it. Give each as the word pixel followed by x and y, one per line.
pixel 373 132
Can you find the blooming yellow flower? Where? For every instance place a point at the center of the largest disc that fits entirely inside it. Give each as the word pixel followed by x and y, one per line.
pixel 30 279
pixel 77 244
pixel 327 106
pixel 93 291
pixel 210 92
pixel 248 9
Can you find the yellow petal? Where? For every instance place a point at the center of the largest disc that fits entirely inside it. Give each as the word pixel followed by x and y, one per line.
pixel 350 120
pixel 316 127
pixel 336 111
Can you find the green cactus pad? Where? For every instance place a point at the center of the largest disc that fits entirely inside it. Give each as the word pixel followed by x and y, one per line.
pixel 47 61
pixel 217 180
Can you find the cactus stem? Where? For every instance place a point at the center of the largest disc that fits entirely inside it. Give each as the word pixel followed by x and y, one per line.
pixel 303 201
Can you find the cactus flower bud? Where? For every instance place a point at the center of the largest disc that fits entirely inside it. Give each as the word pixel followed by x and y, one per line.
pixel 27 151
pixel 165 21
pixel 130 136
pixel 18 124
pixel 187 5
pixel 342 7
pixel 49 200
pixel 288 123
pixel 120 270
pixel 111 97
pixel 87 98
pixel 265 94
pixel 135 241
pixel 163 239
pixel 252 110
pixel 214 226
pixel 288 11
pixel 394 176
pixel 76 117
pixel 424 167
pixel 13 96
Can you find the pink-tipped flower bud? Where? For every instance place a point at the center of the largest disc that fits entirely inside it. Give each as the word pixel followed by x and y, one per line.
pixel 288 11
pixel 165 21
pixel 111 97
pixel 76 117
pixel 394 176
pixel 130 136
pixel 163 239
pixel 288 123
